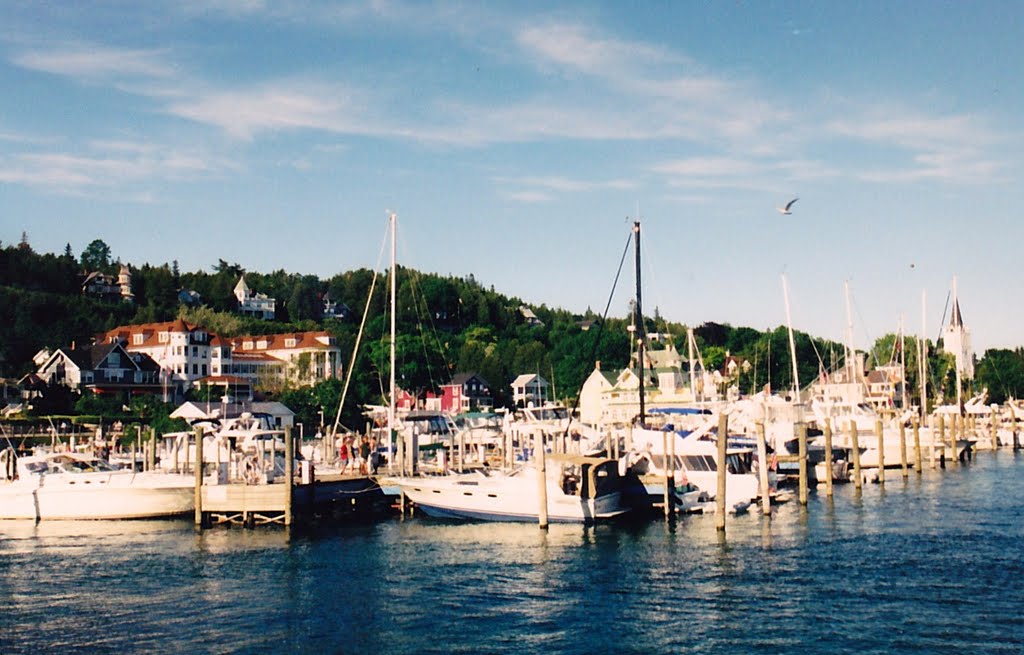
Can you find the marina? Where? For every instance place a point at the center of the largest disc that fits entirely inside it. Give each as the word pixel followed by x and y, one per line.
pixel 926 563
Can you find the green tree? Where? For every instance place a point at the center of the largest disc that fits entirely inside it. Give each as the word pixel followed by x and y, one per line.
pixel 96 256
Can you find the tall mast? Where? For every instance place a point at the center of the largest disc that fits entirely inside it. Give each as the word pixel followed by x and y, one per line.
pixel 391 403
pixel 693 374
pixel 851 378
pixel 792 345
pixel 903 367
pixel 923 364
pixel 639 322
pixel 958 357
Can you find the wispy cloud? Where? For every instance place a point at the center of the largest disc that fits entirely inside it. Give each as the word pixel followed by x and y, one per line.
pixel 118 167
pixel 92 61
pixel 244 113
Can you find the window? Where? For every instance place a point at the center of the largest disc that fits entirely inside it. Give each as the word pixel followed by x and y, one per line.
pixel 289 342
pixel 204 370
pixel 195 369
pixel 195 351
pixel 137 339
pixel 262 344
pixel 164 337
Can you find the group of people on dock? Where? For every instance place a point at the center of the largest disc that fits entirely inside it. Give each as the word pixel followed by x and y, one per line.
pixel 363 457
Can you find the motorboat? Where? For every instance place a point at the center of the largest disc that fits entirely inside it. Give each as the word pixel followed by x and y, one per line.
pixel 70 485
pixel 691 460
pixel 579 489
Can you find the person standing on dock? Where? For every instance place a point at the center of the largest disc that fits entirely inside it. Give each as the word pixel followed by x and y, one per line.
pixel 344 451
pixel 364 455
pixel 374 456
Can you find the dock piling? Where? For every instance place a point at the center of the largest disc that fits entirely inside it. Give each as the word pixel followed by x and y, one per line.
pixel 762 470
pixel 858 481
pixel 289 473
pixel 723 436
pixel 802 448
pixel 880 432
pixel 199 477
pixel 828 457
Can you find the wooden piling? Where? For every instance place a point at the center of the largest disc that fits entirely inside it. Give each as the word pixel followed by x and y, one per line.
pixel 289 473
pixel 542 486
pixel 723 436
pixel 199 477
pixel 802 449
pixel 942 440
pixel 880 432
pixel 952 437
pixel 858 481
pixel 667 495
pixel 152 449
pixel 917 444
pixel 462 451
pixel 828 457
pixel 762 469
pixel 903 450
pixel 993 427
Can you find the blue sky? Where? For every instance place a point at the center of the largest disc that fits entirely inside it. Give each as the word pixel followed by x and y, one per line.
pixel 516 141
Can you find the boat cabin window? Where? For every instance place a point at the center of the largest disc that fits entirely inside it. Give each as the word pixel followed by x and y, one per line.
pixel 699 463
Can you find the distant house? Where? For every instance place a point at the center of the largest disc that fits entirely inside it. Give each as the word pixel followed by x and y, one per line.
pixel 529 316
pixel 337 310
pixel 189 298
pixel 255 304
pixel 182 350
pixel 530 388
pixel 295 357
pixel 109 288
pixel 101 368
pixel 466 392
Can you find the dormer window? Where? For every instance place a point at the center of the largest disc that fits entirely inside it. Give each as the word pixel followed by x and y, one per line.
pixel 262 344
pixel 137 339
pixel 164 337
pixel 290 342
pixel 247 345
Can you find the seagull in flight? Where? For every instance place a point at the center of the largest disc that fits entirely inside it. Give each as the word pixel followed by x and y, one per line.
pixel 786 209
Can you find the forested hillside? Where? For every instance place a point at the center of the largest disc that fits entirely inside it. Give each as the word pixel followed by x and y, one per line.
pixel 446 325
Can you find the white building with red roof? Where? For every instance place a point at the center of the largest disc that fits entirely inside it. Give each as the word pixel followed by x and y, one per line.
pixel 298 358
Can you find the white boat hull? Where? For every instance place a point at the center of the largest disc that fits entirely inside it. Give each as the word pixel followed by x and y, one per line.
pixel 120 495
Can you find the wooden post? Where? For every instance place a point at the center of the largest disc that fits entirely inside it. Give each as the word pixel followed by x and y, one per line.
pixel 289 473
pixel 542 486
pixel 667 495
pixel 671 467
pixel 462 451
pixel 941 419
pixel 858 482
pixel 762 470
pixel 152 450
pixel 802 449
pixel 140 446
pixel 135 445
pixel 917 444
pixel 993 428
pixel 1013 425
pixel 828 457
pixel 903 449
pixel 723 436
pixel 199 477
pixel 952 437
pixel 881 450
pixel 176 449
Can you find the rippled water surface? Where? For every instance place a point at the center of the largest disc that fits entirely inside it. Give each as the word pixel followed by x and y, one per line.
pixel 931 564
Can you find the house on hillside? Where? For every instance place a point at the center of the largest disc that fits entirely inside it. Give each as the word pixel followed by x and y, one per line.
pixel 530 388
pixel 255 304
pixel 182 350
pixel 467 392
pixel 105 368
pixel 108 287
pixel 300 358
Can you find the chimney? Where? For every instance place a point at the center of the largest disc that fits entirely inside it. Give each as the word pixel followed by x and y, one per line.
pixel 597 365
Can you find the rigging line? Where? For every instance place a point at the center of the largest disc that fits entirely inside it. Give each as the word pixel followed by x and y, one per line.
pixel 420 296
pixel 945 309
pixel 600 327
pixel 359 336
pixel 433 331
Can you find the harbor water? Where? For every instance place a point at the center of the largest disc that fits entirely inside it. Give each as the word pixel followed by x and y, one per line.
pixel 928 564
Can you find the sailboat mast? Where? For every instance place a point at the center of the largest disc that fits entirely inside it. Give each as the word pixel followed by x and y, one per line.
pixel 903 367
pixel 792 345
pixel 639 322
pixel 958 361
pixel 391 402
pixel 923 364
pixel 849 336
